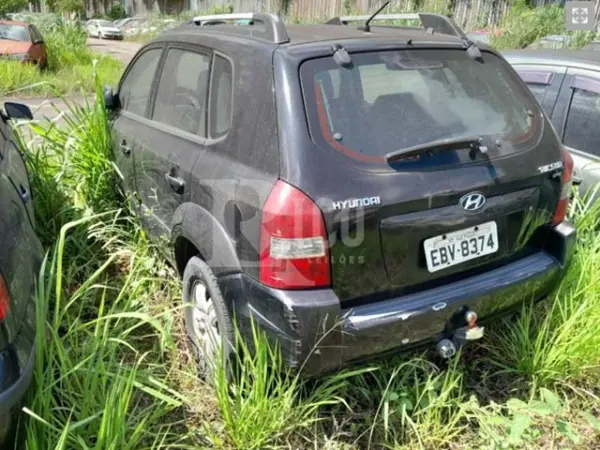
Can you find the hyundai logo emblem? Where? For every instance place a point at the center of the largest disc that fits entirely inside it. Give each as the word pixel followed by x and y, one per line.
pixel 472 202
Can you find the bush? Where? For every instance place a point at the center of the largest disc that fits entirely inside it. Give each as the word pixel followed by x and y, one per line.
pixel 116 11
pixel 524 25
pixel 67 46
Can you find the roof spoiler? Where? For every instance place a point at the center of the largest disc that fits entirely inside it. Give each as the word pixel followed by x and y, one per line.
pixel 433 23
pixel 275 30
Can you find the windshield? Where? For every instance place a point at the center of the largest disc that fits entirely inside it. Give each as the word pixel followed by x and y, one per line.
pixel 105 23
pixel 14 32
pixel 392 100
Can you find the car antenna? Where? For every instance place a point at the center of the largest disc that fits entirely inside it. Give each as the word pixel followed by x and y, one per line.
pixel 366 27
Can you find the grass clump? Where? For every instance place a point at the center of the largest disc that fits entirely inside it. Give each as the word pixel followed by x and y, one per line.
pixel 559 341
pixel 100 372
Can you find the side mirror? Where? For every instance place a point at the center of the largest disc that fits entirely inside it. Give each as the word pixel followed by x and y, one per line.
pixel 38 41
pixel 18 111
pixel 111 101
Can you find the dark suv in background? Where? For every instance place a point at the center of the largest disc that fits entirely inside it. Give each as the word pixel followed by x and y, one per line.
pixel 20 259
pixel 353 190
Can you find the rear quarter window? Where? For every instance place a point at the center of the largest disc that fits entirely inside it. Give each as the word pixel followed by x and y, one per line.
pixel 391 100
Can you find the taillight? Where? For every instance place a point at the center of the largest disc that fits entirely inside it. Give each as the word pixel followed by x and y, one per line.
pixel 294 250
pixel 565 194
pixel 4 298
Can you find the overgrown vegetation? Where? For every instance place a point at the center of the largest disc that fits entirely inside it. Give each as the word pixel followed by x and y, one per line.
pixel 70 65
pixel 114 370
pixel 524 25
pixel 8 6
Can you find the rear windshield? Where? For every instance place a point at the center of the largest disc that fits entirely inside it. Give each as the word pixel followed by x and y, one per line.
pixel 390 100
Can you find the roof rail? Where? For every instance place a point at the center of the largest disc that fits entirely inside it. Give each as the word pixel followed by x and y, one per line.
pixel 275 28
pixel 434 22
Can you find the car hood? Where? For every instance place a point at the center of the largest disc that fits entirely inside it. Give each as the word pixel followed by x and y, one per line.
pixel 11 47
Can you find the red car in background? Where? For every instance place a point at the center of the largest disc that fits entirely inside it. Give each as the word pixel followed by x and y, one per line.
pixel 484 34
pixel 22 41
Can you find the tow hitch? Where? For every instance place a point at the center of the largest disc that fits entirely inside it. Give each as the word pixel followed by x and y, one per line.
pixel 447 348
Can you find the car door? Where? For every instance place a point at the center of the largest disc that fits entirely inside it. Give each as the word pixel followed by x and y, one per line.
pixel 129 121
pixel 37 47
pixel 175 137
pixel 544 81
pixel 577 117
pixel 38 41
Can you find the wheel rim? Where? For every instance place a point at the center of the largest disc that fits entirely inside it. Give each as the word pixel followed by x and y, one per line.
pixel 204 324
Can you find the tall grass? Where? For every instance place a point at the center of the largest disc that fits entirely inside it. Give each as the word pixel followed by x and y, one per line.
pixel 100 371
pixel 559 341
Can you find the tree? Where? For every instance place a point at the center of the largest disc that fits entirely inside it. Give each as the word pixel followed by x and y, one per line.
pixel 12 6
pixel 69 6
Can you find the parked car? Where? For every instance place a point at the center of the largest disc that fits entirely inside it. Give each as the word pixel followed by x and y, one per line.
pixel 386 190
pixel 119 23
pixel 20 259
pixel 150 27
pixel 484 35
pixel 593 46
pixel 554 41
pixel 567 85
pixel 22 41
pixel 103 29
pixel 132 27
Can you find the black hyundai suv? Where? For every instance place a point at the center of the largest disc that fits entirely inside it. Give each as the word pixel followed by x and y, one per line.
pixel 352 189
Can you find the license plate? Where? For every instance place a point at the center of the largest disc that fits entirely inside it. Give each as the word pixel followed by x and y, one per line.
pixel 454 248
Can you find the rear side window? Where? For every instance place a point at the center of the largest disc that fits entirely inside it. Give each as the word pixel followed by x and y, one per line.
pixel 392 100
pixel 135 88
pixel 182 94
pixel 581 130
pixel 221 97
pixel 538 82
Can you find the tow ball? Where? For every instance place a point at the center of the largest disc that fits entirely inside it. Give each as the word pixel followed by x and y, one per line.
pixel 447 348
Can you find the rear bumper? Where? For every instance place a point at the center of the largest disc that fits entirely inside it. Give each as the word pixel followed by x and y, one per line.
pixel 317 334
pixel 17 380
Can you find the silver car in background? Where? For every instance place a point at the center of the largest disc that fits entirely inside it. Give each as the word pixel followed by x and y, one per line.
pixel 103 29
pixel 567 85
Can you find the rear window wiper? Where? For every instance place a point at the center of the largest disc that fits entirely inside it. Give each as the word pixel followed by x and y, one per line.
pixel 473 142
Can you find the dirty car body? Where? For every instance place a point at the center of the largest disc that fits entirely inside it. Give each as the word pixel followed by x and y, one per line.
pixel 361 192
pixel 20 259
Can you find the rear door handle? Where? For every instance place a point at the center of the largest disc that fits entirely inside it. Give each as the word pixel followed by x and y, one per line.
pixel 125 148
pixel 176 182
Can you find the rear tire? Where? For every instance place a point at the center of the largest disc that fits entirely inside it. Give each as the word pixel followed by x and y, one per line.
pixel 207 322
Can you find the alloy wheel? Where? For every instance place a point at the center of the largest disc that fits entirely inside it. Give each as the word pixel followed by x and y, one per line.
pixel 205 327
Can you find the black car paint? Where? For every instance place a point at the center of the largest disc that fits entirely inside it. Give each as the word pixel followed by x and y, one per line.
pixel 413 206
pixel 228 180
pixel 20 260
